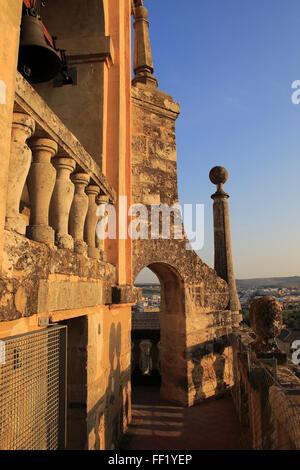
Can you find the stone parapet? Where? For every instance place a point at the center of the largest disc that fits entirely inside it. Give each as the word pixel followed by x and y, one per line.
pixel 266 396
pixel 39 278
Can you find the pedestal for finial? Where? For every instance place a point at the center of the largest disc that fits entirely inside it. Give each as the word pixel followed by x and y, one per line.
pixel 266 322
pixel 222 240
pixel 142 61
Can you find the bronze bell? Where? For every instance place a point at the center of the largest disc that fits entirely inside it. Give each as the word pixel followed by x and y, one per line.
pixel 38 62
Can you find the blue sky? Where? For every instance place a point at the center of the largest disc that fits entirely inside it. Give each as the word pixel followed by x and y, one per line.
pixel 230 64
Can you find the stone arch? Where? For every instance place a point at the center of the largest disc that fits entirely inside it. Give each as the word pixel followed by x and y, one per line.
pixel 81 29
pixel 172 331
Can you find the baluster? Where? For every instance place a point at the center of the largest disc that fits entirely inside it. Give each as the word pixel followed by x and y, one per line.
pixel 61 201
pixel 78 211
pixel 41 181
pixel 91 222
pixel 23 127
pixel 102 199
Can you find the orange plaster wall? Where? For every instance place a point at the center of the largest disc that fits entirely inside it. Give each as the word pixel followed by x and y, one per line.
pixel 118 146
pixel 10 18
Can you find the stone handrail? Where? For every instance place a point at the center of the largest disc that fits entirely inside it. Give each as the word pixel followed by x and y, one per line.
pixel 287 412
pixel 266 398
pixel 63 182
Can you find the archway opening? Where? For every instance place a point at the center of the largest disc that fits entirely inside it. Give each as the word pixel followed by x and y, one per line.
pixel 159 342
pixel 145 332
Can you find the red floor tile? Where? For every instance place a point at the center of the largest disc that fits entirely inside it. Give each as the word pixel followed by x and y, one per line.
pixel 159 425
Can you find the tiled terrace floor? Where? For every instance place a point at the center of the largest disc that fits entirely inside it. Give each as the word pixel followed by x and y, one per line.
pixel 159 425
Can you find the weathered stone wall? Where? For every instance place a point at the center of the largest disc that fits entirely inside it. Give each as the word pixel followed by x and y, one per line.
pixel 39 280
pixel 194 298
pixel 269 409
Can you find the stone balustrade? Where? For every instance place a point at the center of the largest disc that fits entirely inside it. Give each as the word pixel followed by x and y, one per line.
pixel 62 180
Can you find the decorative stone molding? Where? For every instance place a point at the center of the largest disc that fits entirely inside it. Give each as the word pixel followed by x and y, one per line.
pixel 61 201
pixel 91 222
pixel 126 294
pixel 41 182
pixel 23 127
pixel 78 211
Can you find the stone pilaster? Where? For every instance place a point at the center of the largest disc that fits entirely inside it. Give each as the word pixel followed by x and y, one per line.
pixel 142 61
pixel 41 181
pixel 23 127
pixel 223 253
pixel 91 222
pixel 61 201
pixel 78 211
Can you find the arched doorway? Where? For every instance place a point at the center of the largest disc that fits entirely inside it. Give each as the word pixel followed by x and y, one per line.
pixel 159 353
pixel 145 332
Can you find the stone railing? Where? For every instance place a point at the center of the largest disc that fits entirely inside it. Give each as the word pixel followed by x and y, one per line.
pixel 266 391
pixel 62 183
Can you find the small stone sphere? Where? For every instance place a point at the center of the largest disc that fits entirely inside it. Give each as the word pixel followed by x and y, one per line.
pixel 141 12
pixel 218 175
pixel 266 317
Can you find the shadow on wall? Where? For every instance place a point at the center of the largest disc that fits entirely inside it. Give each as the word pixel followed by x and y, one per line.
pixel 102 426
pixel 212 373
pixel 109 418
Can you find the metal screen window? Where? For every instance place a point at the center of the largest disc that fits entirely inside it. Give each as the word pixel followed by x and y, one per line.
pixel 33 390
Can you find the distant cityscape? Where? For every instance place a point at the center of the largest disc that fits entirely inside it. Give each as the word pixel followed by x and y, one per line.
pixel 286 290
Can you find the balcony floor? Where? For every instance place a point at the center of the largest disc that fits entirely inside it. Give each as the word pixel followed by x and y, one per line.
pixel 159 425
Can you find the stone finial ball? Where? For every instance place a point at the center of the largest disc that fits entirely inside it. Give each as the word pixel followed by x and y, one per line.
pixel 266 317
pixel 218 175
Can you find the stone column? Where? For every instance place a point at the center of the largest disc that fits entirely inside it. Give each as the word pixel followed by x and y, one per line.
pixel 23 127
pixel 158 345
pixel 142 60
pixel 223 254
pixel 145 361
pixel 91 222
pixel 61 201
pixel 78 212
pixel 41 181
pixel 102 199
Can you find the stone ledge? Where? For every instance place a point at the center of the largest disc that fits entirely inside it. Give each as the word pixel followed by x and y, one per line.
pixel 33 271
pixel 157 101
pixel 126 294
pixel 66 295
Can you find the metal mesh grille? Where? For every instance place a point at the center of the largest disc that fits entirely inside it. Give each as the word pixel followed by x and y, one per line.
pixel 32 390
